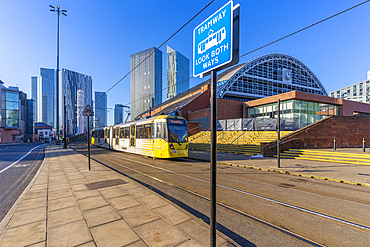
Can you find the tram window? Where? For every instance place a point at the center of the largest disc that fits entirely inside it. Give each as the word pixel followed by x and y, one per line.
pixel 101 134
pixel 114 132
pixel 132 130
pixel 165 131
pixel 108 133
pixel 139 129
pixel 125 132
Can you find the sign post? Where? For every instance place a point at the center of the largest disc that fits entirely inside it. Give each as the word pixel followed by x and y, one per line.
pixel 88 112
pixel 213 50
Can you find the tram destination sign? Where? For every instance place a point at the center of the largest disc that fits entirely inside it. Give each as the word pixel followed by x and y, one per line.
pixel 212 41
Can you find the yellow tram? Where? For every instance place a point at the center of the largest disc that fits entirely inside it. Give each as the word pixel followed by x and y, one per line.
pixel 158 137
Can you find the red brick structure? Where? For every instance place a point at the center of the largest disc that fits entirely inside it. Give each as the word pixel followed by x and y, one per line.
pixel 348 131
pixel 10 135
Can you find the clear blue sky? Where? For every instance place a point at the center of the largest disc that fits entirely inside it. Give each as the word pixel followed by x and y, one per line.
pixel 98 37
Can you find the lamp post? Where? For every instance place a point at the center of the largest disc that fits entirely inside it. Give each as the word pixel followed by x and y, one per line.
pixel 63 12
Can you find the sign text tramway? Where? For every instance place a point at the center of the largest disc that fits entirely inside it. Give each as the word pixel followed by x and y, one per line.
pixel 212 41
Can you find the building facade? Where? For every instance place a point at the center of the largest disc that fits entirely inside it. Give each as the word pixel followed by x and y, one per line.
pixel 16 115
pixel 359 92
pixel 45 96
pixel 177 73
pixel 101 109
pixel 118 114
pixel 34 92
pixel 75 93
pixel 146 81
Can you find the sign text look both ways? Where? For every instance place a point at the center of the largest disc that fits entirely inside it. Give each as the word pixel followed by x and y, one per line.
pixel 212 41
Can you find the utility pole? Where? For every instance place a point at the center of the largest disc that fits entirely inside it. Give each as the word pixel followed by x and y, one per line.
pixel 63 12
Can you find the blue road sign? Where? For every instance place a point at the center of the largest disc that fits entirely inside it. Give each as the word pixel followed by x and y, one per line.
pixel 212 41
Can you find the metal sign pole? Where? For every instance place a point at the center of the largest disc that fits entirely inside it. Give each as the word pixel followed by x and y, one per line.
pixel 88 140
pixel 213 156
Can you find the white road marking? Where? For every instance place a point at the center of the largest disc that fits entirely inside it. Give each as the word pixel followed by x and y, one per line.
pixel 6 168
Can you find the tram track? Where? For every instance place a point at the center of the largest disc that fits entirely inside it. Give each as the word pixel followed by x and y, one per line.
pixel 118 160
pixel 246 193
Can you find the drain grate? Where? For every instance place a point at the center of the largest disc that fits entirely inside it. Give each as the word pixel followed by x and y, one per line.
pixel 105 184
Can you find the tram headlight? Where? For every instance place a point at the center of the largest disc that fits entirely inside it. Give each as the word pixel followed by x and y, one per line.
pixel 171 146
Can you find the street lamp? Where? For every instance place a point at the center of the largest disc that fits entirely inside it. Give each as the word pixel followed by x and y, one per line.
pixel 63 12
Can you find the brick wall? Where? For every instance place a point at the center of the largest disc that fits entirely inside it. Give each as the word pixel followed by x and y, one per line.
pixel 6 135
pixel 194 128
pixel 348 131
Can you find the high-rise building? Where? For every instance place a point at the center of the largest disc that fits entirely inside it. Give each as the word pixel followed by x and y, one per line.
pixel 118 114
pixel 34 93
pixel 357 92
pixel 146 81
pixel 44 94
pixel 75 93
pixel 177 73
pixel 101 110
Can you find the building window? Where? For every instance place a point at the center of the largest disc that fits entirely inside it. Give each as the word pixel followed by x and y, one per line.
pixel 12 109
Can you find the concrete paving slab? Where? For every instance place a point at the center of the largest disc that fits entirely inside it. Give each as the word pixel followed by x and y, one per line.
pixel 139 192
pixel 129 185
pixel 32 203
pixel 79 181
pixel 59 194
pixel 64 216
pixel 92 202
pixel 39 187
pixel 78 187
pixel 89 244
pixel 36 194
pixel 81 194
pixel 59 187
pixel 28 216
pixel 72 234
pixel 101 216
pixel 117 233
pixel 198 232
pixel 112 192
pixel 160 233
pixel 152 201
pixel 74 177
pixel 171 214
pixel 60 203
pixel 123 202
pixel 24 235
pixel 137 244
pixel 40 244
pixel 189 243
pixel 138 215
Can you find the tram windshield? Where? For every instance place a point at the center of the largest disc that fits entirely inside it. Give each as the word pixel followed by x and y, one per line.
pixel 177 130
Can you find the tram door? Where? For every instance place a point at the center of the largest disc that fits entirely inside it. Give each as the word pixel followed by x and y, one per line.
pixel 132 135
pixel 117 135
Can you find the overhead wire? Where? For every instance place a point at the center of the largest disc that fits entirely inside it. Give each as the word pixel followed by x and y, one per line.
pixel 156 49
pixel 259 48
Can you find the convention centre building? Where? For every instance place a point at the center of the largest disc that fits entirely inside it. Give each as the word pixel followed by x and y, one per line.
pixel 251 90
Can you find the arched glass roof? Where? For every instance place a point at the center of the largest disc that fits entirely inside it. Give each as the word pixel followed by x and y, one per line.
pixel 269 75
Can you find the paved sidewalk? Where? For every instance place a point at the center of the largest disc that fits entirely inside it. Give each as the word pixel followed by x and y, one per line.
pixel 337 172
pixel 58 209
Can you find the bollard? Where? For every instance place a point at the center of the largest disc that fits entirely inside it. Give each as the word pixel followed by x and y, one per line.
pixel 363 144
pixel 335 143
